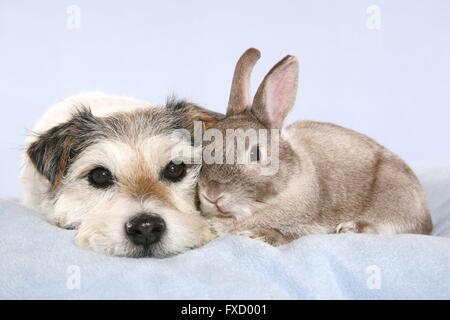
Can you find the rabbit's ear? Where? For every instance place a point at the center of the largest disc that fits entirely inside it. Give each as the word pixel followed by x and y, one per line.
pixel 240 87
pixel 276 94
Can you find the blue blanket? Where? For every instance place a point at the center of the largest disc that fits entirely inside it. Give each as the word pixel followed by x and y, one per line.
pixel 38 260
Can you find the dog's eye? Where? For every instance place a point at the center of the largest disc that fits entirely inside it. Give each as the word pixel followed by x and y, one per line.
pixel 255 154
pixel 174 172
pixel 101 178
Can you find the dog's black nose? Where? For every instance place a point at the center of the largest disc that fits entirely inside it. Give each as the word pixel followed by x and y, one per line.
pixel 145 229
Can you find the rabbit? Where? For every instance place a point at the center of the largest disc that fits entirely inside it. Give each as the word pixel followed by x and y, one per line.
pixel 329 179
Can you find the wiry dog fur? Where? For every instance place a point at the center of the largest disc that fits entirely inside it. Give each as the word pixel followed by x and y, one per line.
pixel 134 141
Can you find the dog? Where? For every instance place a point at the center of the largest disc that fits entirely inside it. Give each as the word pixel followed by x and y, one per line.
pixel 104 165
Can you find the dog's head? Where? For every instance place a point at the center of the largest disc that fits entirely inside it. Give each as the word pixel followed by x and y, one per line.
pixel 117 181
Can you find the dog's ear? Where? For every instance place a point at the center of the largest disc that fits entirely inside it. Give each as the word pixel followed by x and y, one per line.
pixel 188 113
pixel 54 150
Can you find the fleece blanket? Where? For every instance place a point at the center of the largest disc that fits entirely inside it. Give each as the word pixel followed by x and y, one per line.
pixel 39 261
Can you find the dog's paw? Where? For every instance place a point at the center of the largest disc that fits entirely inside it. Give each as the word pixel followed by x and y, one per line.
pixel 86 240
pixel 64 222
pixel 95 240
pixel 208 235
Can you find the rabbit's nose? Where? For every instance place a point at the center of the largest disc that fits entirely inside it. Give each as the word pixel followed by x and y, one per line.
pixel 213 196
pixel 214 191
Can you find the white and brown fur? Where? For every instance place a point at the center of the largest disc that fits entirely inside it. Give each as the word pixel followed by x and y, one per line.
pixel 330 179
pixel 134 141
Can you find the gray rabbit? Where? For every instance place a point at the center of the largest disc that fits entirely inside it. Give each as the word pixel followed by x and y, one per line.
pixel 329 179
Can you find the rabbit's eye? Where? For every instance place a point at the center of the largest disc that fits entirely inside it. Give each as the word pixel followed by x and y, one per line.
pixel 255 154
pixel 174 172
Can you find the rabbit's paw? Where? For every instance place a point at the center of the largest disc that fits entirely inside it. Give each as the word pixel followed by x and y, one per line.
pixel 356 227
pixel 348 227
pixel 248 234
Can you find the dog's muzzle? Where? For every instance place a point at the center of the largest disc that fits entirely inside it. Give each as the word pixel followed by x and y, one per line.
pixel 145 229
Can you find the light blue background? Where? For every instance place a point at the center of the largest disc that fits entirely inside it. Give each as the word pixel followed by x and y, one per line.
pixel 392 84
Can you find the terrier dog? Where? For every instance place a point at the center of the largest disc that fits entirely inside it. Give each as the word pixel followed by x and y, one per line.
pixel 104 165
